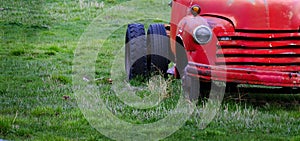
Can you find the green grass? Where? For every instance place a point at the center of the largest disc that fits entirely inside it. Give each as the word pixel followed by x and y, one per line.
pixel 38 41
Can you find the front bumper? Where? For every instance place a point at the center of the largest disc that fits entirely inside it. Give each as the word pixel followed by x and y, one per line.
pixel 243 76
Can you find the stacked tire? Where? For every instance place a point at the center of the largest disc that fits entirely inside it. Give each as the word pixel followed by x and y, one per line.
pixel 150 54
pixel 146 55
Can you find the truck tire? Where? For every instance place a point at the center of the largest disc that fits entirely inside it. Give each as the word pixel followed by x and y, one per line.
pixel 135 51
pixel 191 87
pixel 158 45
pixel 195 89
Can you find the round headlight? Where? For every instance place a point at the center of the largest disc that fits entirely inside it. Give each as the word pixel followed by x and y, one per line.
pixel 202 34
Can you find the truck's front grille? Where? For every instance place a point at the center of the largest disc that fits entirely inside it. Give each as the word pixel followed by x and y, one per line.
pixel 258 50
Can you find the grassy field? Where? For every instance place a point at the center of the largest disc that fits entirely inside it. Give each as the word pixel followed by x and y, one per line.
pixel 37 102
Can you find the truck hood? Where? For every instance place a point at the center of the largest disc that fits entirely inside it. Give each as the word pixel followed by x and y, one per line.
pixel 255 14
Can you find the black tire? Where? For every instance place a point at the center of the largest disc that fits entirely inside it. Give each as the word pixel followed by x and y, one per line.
pixel 135 51
pixel 191 87
pixel 195 89
pixel 159 47
pixel 205 88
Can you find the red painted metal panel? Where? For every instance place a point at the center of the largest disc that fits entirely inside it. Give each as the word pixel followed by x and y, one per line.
pixel 283 14
pixel 256 52
pixel 270 60
pixel 260 44
pixel 245 76
pixel 261 35
pixel 255 14
pixel 292 68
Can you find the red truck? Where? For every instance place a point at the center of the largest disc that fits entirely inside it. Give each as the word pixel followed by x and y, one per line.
pixel 253 42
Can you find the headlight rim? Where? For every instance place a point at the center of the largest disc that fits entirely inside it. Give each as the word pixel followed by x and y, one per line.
pixel 195 37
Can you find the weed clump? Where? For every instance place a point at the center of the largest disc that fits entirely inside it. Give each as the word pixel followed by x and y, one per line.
pixel 50 53
pixel 17 52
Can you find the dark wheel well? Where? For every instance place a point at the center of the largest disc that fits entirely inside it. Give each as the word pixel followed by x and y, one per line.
pixel 181 57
